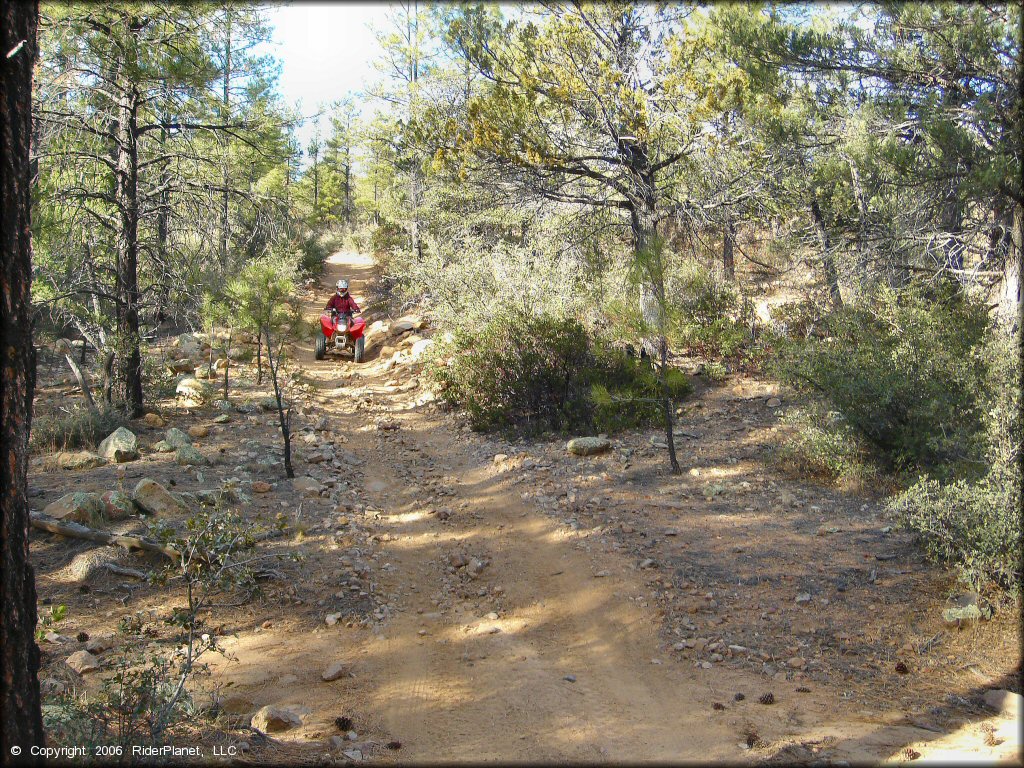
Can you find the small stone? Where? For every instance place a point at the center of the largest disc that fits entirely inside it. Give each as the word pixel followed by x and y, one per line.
pixel 99 644
pixel 332 618
pixel 121 445
pixel 192 392
pixel 222 419
pixel 336 671
pixel 224 406
pixel 271 718
pixel 82 662
pixel 803 597
pixel 198 431
pixel 117 505
pixel 648 563
pixel 796 663
pixel 570 678
pixel 774 402
pixel 588 446
pixel 307 486
pixel 259 486
pixel 499 457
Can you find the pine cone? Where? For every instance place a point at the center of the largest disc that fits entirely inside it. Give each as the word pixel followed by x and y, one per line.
pixel 768 698
pixel 716 705
pixel 739 697
pixel 802 689
pixel 911 754
pixel 901 668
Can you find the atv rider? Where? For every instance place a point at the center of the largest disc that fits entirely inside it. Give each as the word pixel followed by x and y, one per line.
pixel 343 304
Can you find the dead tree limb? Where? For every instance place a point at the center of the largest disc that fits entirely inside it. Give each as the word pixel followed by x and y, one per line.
pixel 80 375
pixel 78 531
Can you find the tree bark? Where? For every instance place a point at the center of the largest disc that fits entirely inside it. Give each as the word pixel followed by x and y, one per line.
pixel 1011 297
pixel 20 706
pixel 828 259
pixel 286 420
pixel 126 191
pixel 728 256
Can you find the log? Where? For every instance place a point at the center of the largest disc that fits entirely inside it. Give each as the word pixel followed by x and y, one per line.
pixel 78 531
pixel 122 571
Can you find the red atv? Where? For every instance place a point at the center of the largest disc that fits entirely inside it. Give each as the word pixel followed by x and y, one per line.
pixel 333 337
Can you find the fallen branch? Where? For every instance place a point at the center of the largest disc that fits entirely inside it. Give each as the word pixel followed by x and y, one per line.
pixel 79 531
pixel 120 570
pixel 83 382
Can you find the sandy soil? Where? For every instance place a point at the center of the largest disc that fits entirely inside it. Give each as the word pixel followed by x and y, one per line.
pixel 619 614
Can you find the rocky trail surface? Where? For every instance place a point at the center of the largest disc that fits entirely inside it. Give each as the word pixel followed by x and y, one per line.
pixel 463 598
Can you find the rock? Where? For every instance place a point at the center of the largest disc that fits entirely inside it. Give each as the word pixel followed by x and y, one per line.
pixel 192 391
pixel 99 644
pixel 499 457
pixel 222 419
pixel 588 446
pixel 270 719
pixel 163 446
pixel 259 486
pixel 79 460
pixel 82 662
pixel 336 742
pixel 1005 702
pixel 331 619
pixel 117 505
pixel 175 438
pixel 956 616
pixel 187 344
pixel 774 402
pixel 569 678
pixel 198 431
pixel 154 499
pixel 307 486
pixel 476 567
pixel 270 403
pixel 154 420
pixel 419 349
pixel 336 671
pixel 803 597
pixel 182 365
pixel 796 663
pixel 402 325
pixel 120 445
pixel 224 406
pixel 188 456
pixel 647 563
pixel 79 507
pixel 205 372
pixel 458 560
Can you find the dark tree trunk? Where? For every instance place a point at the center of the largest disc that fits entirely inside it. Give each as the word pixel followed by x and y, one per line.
pixel 728 257
pixel 828 259
pixel 20 712
pixel 129 358
pixel 283 414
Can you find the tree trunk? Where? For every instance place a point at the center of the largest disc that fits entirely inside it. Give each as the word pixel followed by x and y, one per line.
pixel 1011 297
pixel 226 103
pixel 728 243
pixel 828 260
pixel 20 712
pixel 285 420
pixel 129 358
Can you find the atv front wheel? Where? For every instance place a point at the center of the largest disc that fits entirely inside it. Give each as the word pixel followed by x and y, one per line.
pixel 360 346
pixel 320 349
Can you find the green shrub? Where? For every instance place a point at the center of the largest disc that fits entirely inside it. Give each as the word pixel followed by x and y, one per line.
pixel 706 315
pixel 75 429
pixel 530 373
pixel 974 526
pixel 545 373
pixel 820 444
pixel 629 393
pixel 907 372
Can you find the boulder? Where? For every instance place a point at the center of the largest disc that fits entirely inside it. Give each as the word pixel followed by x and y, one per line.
pixel 204 372
pixel 163 446
pixel 176 438
pixel 182 365
pixel 402 325
pixel 79 460
pixel 270 719
pixel 82 662
pixel 117 505
pixel 187 345
pixel 224 406
pixel 588 446
pixel 77 507
pixel 187 456
pixel 419 348
pixel 120 445
pixel 1005 702
pixel 191 390
pixel 154 499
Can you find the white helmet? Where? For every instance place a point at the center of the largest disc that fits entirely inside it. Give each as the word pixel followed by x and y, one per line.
pixel 343 285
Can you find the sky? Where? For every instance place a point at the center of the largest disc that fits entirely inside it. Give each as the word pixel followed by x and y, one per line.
pixel 326 52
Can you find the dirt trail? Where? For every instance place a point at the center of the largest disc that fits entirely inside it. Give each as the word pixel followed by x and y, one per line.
pixel 551 653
